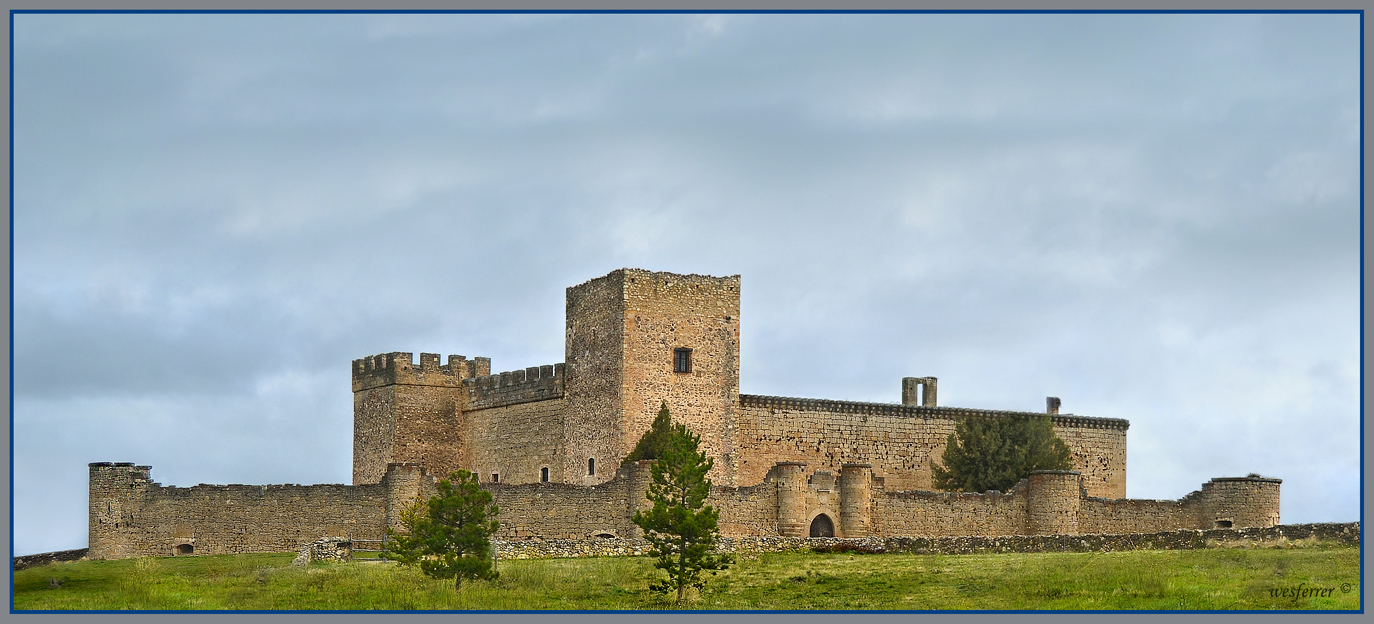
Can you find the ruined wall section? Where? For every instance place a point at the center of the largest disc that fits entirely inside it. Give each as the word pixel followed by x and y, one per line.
pixel 595 347
pixel 410 413
pixel 132 516
pixel 901 441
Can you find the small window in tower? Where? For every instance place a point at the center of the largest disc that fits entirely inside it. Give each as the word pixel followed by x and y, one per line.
pixel 544 475
pixel 591 466
pixel 682 360
pixel 495 477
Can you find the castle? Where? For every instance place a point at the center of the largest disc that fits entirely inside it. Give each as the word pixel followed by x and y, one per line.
pixel 548 442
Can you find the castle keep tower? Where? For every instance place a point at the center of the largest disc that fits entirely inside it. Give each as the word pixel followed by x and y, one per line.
pixel 636 338
pixel 403 413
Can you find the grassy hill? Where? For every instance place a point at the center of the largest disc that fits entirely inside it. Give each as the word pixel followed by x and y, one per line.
pixel 1228 578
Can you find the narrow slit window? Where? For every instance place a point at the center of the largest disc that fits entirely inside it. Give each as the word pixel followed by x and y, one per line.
pixel 682 360
pixel 591 466
pixel 544 475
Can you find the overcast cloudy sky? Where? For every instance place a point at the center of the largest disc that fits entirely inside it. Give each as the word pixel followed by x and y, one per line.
pixel 1153 217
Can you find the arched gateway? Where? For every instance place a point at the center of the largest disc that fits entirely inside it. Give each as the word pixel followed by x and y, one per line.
pixel 822 526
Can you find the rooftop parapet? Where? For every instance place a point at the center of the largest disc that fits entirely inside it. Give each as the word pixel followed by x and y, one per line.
pixel 399 367
pixel 917 411
pixel 535 383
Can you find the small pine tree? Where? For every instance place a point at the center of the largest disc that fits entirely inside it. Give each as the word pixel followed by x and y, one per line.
pixel 680 526
pixel 448 536
pixel 995 453
pixel 652 443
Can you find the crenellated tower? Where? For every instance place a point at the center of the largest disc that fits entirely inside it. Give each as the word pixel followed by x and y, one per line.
pixel 409 413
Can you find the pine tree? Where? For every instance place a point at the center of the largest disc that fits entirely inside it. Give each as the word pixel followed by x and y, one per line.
pixel 448 536
pixel 680 526
pixel 652 443
pixel 995 453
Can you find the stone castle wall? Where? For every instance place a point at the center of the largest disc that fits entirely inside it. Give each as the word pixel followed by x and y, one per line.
pixel 131 516
pixel 922 513
pixel 536 383
pixel 563 511
pixel 1098 448
pixel 516 441
pixel 1124 515
pixel 404 412
pixel 751 510
pixel 901 441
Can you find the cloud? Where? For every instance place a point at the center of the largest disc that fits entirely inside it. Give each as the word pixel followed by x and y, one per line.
pixel 1151 216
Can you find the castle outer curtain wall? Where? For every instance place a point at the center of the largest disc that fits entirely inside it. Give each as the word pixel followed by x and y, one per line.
pixel 132 516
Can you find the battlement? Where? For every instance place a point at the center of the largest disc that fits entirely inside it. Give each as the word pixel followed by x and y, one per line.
pixel 536 383
pixel 399 367
pixel 917 411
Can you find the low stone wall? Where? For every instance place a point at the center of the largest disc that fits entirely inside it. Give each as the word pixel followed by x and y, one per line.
pixel 29 561
pixel 338 549
pixel 562 548
pixel 1345 534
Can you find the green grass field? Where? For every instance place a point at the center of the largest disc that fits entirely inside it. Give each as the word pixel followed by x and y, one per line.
pixel 1234 578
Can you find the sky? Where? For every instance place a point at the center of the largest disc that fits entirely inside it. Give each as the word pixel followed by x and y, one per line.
pixel 1152 217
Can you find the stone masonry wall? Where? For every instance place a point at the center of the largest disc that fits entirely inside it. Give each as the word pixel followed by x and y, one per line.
pixel 131 516
pixel 1052 502
pixel 594 350
pixel 374 433
pixel 900 440
pixel 667 311
pixel 515 441
pixel 562 511
pixel 1345 534
pixel 922 513
pixel 1098 447
pixel 1236 501
pixel 1101 515
pixel 408 412
pixel 751 510
pixel 536 383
